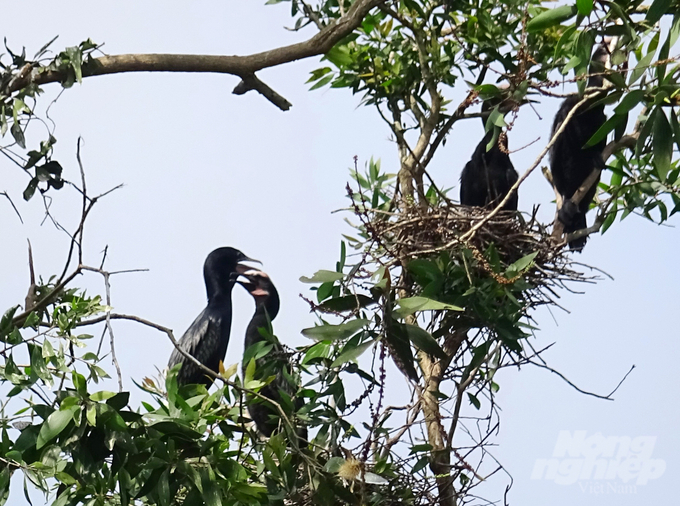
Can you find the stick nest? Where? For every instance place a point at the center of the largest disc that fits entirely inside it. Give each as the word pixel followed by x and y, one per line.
pixel 426 233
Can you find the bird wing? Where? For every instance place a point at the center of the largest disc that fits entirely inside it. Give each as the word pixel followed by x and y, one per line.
pixel 201 340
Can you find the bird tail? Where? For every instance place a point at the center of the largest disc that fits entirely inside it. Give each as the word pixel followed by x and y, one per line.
pixel 578 222
pixel 573 219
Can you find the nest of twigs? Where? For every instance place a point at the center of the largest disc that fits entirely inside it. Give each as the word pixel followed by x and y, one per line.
pixel 456 229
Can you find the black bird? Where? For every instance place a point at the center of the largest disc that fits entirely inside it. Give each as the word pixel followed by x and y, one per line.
pixel 276 363
pixel 570 162
pixel 489 175
pixel 208 336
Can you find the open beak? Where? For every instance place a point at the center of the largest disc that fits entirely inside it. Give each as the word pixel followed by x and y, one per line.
pixel 245 275
pixel 242 269
pixel 245 283
pixel 248 280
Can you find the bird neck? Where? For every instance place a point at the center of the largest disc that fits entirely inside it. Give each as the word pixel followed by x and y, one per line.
pixel 260 320
pixel 595 81
pixel 218 292
pixel 266 309
pixel 598 65
pixel 495 150
pixel 218 282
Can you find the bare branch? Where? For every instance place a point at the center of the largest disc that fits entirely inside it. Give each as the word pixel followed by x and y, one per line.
pixel 107 286
pixel 251 82
pixel 241 66
pixel 607 397
pixel 13 206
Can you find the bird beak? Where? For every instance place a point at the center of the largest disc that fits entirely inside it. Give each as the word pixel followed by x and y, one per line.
pixel 246 284
pixel 250 283
pixel 242 269
pixel 245 277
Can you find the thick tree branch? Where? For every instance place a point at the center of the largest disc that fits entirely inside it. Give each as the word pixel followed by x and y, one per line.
pixel 241 66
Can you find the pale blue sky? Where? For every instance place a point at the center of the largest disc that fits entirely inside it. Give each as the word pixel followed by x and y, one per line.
pixel 204 168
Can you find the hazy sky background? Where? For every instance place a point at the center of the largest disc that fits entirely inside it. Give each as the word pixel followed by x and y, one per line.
pixel 203 168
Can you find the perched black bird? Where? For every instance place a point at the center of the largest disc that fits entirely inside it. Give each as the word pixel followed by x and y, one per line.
pixel 208 336
pixel 489 175
pixel 570 162
pixel 275 363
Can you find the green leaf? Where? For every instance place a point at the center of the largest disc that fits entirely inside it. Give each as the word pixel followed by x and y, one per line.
pixel 352 353
pixel 424 268
pixel 18 134
pixel 79 382
pixel 54 425
pixel 319 350
pixel 478 356
pixel 322 82
pixel 339 56
pixel 676 128
pixel 6 324
pixel 522 264
pixel 38 366
pixel 91 415
pixel 76 59
pixel 410 305
pixel 101 396
pixel 608 221
pixel 474 401
pixel 318 74
pixel 164 488
pixel 119 401
pixel 629 101
pixel 551 17
pixel 641 67
pixel 323 277
pixel 421 464
pixel 400 349
pixel 585 7
pixel 646 130
pixel 30 189
pixel 345 303
pixel 334 332
pixel 496 118
pixel 423 340
pixel 333 464
pixel 663 145
pixel 658 9
pixel 604 130
pixel 32 320
pixel 325 290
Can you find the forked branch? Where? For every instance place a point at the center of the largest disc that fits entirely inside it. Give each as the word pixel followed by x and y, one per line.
pixel 241 66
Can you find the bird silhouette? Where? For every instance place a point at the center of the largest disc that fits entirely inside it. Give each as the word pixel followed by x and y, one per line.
pixel 282 389
pixel 488 176
pixel 208 336
pixel 571 162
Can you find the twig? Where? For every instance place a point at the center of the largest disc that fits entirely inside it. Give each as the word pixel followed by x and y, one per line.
pixel 607 397
pixel 109 327
pixel 13 206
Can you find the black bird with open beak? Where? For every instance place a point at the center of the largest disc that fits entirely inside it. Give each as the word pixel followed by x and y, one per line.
pixel 276 363
pixel 208 336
